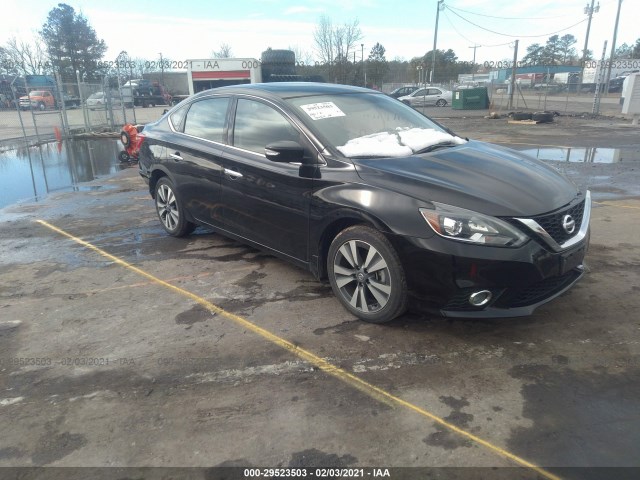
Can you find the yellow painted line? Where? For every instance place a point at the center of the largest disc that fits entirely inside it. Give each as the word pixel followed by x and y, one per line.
pixel 348 378
pixel 609 204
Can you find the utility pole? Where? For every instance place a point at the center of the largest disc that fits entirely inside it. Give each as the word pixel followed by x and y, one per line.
pixel 596 98
pixel 435 40
pixel 363 70
pixel 161 69
pixel 588 10
pixel 473 72
pixel 513 75
pixel 613 48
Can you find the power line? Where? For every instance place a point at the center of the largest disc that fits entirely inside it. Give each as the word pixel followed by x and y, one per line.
pixel 508 18
pixel 516 36
pixel 471 41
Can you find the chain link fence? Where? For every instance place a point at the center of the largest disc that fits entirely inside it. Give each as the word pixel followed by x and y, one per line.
pixel 34 114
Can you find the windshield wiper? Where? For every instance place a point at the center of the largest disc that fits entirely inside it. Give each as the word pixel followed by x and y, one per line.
pixel 431 148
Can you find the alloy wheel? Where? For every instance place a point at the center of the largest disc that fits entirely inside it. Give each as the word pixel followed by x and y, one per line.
pixel 167 207
pixel 362 276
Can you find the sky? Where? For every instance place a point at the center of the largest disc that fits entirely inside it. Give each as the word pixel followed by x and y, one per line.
pixel 183 30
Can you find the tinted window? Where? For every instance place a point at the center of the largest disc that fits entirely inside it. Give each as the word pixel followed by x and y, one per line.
pixel 206 119
pixel 177 118
pixel 258 125
pixel 421 92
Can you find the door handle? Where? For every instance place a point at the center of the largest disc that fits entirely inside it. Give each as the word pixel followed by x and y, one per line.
pixel 176 156
pixel 232 175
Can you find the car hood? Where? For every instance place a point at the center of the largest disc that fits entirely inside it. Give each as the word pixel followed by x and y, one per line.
pixel 485 178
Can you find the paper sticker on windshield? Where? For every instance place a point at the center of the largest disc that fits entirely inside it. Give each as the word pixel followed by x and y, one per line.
pixel 318 111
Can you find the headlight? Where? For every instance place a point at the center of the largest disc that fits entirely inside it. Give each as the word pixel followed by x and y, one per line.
pixel 472 227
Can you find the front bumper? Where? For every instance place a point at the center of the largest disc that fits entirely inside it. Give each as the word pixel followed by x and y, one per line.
pixel 442 274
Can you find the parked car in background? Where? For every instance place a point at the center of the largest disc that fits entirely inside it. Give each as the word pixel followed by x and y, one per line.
pixel 371 194
pixel 98 100
pixel 428 96
pixel 403 91
pixel 71 101
pixel 38 99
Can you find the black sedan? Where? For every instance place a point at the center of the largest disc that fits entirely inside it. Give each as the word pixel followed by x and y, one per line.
pixel 369 193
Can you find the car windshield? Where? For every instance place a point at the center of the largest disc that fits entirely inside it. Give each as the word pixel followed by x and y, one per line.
pixel 37 93
pixel 370 125
pixel 97 95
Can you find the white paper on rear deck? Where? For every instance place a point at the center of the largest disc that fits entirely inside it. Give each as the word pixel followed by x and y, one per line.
pixel 318 111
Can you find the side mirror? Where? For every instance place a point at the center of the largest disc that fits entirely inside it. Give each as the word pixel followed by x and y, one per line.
pixel 284 151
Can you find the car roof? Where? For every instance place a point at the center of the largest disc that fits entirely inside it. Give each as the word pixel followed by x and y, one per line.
pixel 289 89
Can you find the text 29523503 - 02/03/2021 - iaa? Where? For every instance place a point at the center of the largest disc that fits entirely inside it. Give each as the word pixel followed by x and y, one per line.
pixel 369 193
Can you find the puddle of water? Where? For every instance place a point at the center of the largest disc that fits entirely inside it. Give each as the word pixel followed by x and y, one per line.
pixel 30 173
pixel 585 155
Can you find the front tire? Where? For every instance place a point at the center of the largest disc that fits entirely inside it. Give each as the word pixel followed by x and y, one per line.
pixel 170 211
pixel 366 275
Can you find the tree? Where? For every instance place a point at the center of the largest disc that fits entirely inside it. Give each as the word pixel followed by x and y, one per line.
pixel 223 52
pixel 628 51
pixel 377 65
pixel 552 51
pixel 534 54
pixel 72 44
pixel 447 66
pixel 22 58
pixel 335 47
pixel 566 48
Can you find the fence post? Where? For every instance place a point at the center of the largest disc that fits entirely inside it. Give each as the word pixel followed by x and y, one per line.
pixel 65 119
pixel 82 102
pixel 16 99
pixel 33 117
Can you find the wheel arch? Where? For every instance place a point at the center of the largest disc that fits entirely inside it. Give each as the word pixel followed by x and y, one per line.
pixel 332 229
pixel 156 175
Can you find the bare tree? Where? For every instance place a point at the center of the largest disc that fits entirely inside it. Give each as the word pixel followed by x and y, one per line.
pixel 335 46
pixel 26 58
pixel 323 38
pixel 224 52
pixel 142 66
pixel 303 57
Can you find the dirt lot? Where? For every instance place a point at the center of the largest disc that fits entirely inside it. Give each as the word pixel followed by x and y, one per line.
pixel 137 349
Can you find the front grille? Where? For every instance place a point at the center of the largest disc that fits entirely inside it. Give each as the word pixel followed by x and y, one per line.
pixel 539 291
pixel 552 223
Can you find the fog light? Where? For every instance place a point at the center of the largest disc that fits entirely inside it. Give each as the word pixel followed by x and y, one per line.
pixel 480 298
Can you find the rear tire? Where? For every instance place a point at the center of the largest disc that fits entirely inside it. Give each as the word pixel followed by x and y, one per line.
pixel 441 103
pixel 170 211
pixel 366 275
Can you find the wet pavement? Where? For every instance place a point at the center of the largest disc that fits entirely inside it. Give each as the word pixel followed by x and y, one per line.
pixel 31 173
pixel 104 367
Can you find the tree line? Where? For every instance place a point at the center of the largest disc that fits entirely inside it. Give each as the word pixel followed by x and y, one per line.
pixel 67 44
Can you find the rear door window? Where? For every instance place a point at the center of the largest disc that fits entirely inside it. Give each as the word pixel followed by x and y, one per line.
pixel 207 119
